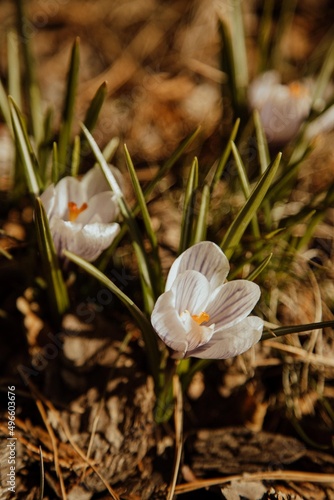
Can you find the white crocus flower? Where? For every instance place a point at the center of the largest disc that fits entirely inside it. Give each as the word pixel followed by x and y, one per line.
pixel 199 315
pixel 282 107
pixel 82 214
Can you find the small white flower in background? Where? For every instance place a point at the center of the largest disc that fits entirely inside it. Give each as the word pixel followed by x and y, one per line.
pixel 201 316
pixel 82 214
pixel 282 108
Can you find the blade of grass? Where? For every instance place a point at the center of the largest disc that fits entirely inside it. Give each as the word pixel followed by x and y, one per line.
pixel 263 41
pixel 141 200
pixel 287 330
pixel 104 165
pixel 254 274
pixel 55 164
pixel 240 61
pixel 4 106
pixel 148 190
pixel 146 219
pixel 44 148
pixel 146 278
pixel 25 150
pixel 56 286
pixel 281 185
pixel 75 163
pixel 149 335
pixel 68 108
pixel 189 207
pixel 169 164
pixel 110 149
pixel 261 140
pixel 6 254
pixel 95 107
pixel 264 158
pixel 239 225
pixel 34 97
pixel 224 157
pixel 14 73
pixel 228 64
pixel 288 8
pixel 201 223
pixel 323 80
pixel 245 186
pixel 317 218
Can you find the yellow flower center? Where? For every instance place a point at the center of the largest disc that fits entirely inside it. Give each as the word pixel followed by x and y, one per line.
pixel 74 210
pixel 297 89
pixel 200 318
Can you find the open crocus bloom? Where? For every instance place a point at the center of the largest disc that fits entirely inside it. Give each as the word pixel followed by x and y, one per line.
pixel 81 214
pixel 199 315
pixel 282 108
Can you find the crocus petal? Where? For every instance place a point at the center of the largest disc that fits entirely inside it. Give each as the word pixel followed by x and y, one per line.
pixel 94 181
pixel 167 323
pixel 86 241
pixel 94 238
pixel 232 302
pixel 260 89
pixel 197 335
pixel 180 333
pixel 68 189
pixel 232 341
pixel 101 208
pixel 282 108
pixel 191 290
pixel 205 257
pixel 48 199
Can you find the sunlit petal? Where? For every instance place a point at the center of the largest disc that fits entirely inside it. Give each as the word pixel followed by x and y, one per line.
pixel 232 302
pixel 82 218
pixel 197 335
pixel 191 290
pixel 94 181
pixel 67 190
pixel 48 200
pixel 205 257
pixel 200 315
pixel 87 241
pixel 282 107
pixel 95 238
pixel 232 341
pixel 101 208
pixel 167 323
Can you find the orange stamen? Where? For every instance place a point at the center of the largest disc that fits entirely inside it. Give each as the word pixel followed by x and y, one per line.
pixel 74 210
pixel 201 318
pixel 297 89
